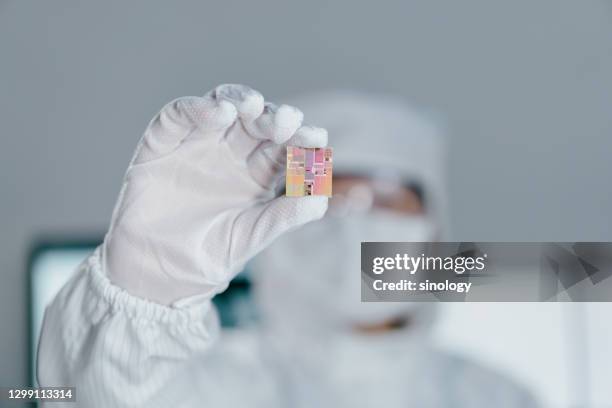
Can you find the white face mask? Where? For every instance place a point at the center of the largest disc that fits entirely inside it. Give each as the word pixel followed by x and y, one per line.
pixel 320 266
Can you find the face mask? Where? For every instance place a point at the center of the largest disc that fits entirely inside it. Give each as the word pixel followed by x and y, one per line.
pixel 316 269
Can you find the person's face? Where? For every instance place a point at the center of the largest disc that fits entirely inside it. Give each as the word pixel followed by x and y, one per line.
pixel 357 194
pixel 360 208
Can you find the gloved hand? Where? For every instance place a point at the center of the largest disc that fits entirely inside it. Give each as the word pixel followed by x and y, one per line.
pixel 198 197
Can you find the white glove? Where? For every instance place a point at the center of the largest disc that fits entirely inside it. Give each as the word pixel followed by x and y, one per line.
pixel 198 197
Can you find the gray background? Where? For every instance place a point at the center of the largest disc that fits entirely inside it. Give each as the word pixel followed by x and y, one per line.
pixel 525 85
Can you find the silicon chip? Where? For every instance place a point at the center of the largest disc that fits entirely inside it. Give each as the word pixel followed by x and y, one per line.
pixel 309 171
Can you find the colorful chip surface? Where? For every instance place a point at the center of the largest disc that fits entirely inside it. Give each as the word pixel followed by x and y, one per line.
pixel 309 171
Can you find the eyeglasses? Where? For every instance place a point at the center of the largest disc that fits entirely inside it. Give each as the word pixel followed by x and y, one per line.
pixel 358 194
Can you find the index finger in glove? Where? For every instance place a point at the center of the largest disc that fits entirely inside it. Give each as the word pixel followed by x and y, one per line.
pixel 276 124
pixel 181 118
pixel 268 160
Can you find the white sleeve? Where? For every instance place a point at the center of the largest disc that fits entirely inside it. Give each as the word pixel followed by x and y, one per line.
pixel 119 350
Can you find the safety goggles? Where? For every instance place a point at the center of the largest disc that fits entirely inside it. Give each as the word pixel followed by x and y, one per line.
pixel 354 194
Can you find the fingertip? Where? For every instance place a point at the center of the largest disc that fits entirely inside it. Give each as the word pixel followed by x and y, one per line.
pixel 287 121
pixel 252 106
pixel 309 136
pixel 248 101
pixel 308 208
pixel 319 205
pixel 223 116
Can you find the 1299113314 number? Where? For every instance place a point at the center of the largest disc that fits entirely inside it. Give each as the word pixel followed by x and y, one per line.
pixel 39 394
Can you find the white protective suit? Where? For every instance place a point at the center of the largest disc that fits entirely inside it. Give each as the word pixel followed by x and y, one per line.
pixel 135 326
pixel 308 282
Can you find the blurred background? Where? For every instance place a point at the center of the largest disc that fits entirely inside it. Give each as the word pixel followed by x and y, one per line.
pixel 525 88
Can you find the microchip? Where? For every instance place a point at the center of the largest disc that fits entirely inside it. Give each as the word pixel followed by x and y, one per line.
pixel 309 171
